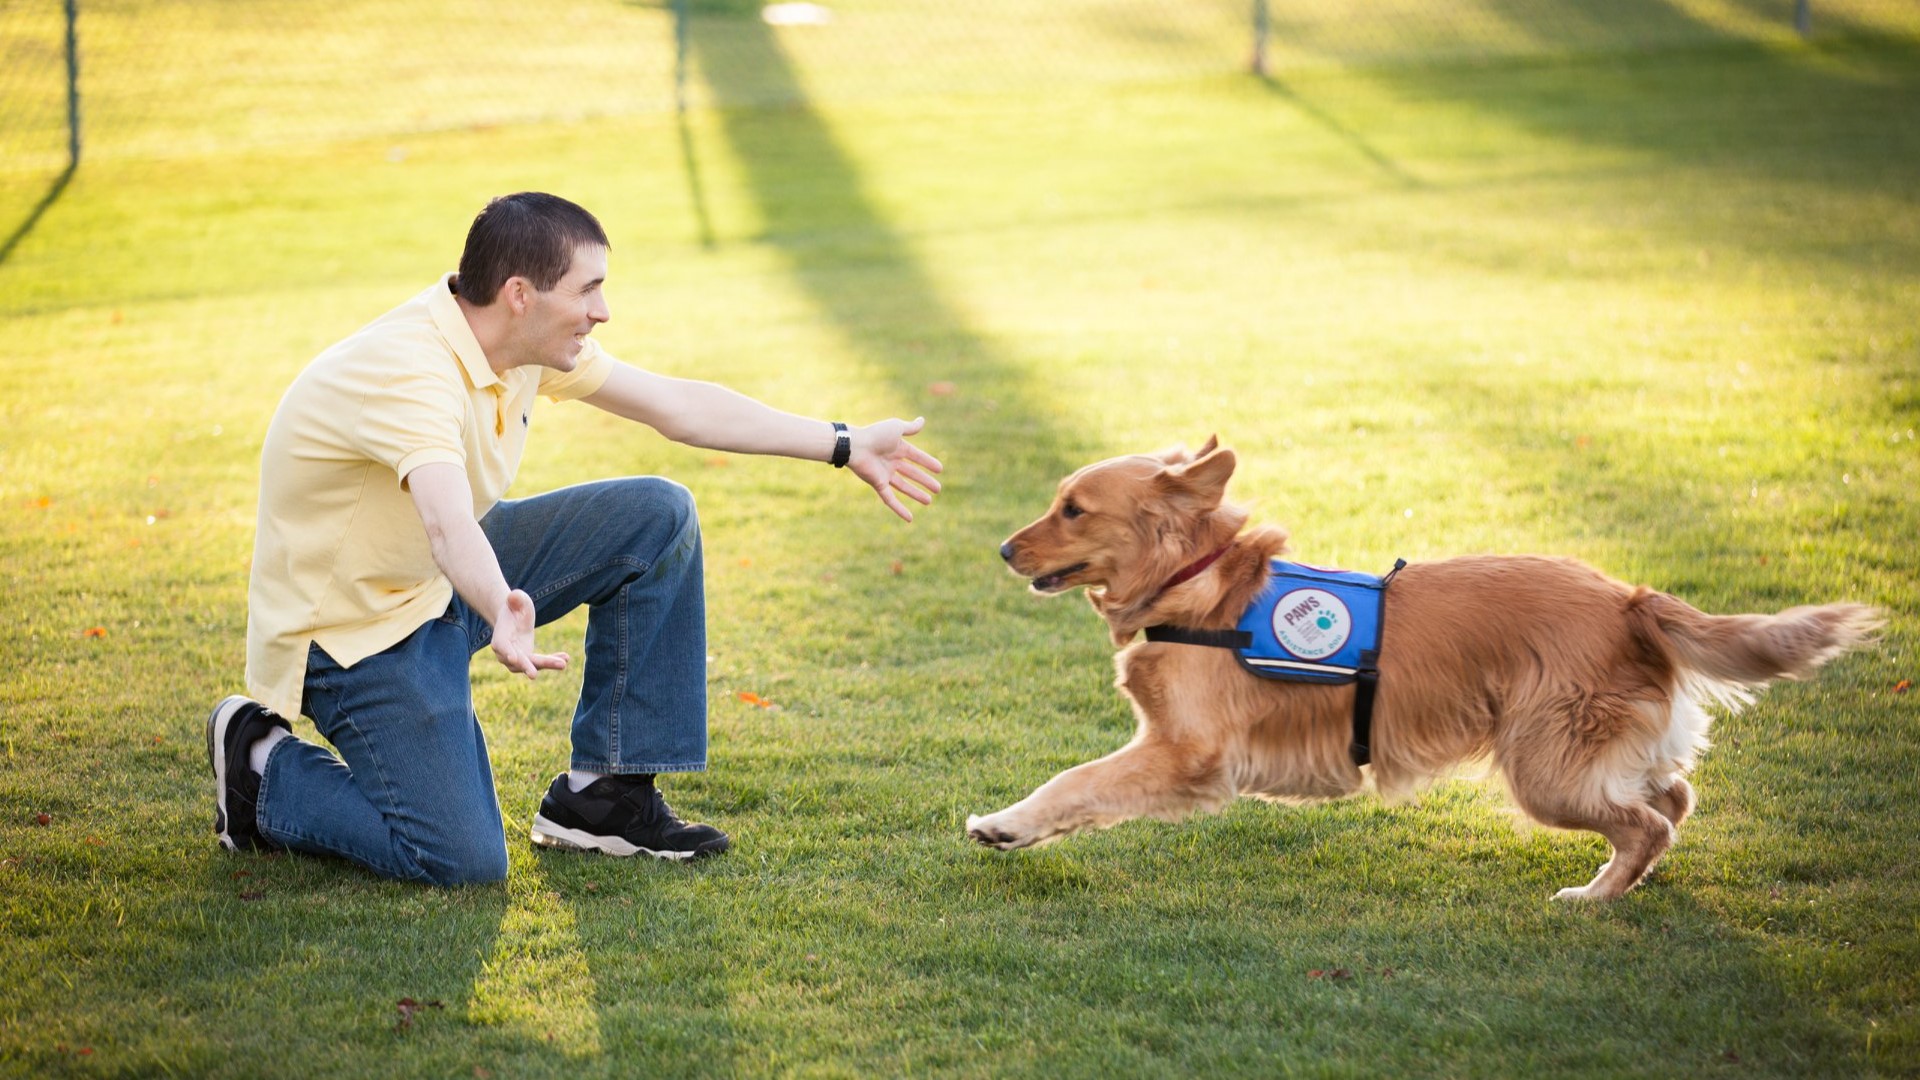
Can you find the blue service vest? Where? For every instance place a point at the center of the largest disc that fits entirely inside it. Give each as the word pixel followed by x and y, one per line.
pixel 1313 625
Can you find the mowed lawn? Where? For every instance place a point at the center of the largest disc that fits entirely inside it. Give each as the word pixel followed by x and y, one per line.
pixel 1655 312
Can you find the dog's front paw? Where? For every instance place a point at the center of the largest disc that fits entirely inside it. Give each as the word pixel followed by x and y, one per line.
pixel 997 831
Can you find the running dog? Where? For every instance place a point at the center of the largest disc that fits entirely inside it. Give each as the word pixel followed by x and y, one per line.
pixel 1586 693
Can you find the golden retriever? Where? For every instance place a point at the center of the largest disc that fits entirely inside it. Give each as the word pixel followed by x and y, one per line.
pixel 1586 693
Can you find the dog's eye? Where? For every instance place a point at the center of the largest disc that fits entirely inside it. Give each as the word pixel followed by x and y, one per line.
pixel 1070 511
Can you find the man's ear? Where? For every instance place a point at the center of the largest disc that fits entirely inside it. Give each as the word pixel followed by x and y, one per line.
pixel 1203 483
pixel 517 293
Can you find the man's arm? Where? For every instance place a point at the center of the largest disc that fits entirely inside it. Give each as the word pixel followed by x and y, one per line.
pixel 445 502
pixel 708 415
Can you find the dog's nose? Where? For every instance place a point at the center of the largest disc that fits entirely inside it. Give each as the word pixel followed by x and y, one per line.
pixel 1006 551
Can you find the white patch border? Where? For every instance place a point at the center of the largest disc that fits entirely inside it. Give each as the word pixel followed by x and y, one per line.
pixel 1281 632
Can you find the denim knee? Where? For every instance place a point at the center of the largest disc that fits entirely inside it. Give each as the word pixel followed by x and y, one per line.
pixel 659 495
pixel 477 862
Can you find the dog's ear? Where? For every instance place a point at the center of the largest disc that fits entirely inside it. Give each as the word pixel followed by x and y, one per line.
pixel 1180 455
pixel 1203 482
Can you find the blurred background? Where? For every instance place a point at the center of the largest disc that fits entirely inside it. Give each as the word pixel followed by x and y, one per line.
pixel 172 78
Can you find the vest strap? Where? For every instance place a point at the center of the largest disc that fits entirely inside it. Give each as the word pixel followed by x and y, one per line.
pixel 1364 685
pixel 1180 635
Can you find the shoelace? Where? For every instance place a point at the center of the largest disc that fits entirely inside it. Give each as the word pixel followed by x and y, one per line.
pixel 648 803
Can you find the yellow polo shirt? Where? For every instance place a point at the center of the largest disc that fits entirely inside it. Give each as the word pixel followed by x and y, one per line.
pixel 340 556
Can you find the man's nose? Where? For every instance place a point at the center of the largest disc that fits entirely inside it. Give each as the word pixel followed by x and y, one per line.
pixel 1006 551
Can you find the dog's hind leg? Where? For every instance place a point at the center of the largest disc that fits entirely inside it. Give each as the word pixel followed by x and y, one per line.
pixel 1639 837
pixel 1147 778
pixel 1675 802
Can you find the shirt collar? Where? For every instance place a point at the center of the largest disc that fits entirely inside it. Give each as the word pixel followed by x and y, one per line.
pixel 452 322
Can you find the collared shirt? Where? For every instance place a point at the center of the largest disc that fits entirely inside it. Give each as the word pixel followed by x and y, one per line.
pixel 340 557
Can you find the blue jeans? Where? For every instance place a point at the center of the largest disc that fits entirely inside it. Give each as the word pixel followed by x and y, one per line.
pixel 411 793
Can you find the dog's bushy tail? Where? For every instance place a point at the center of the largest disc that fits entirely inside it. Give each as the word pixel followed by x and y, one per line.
pixel 1730 657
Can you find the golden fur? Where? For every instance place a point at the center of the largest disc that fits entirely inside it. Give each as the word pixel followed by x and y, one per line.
pixel 1586 693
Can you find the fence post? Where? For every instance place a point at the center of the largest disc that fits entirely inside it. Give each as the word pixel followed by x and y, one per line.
pixel 73 85
pixel 1258 65
pixel 1803 17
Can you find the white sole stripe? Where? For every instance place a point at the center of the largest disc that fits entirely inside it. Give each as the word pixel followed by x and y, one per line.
pixel 547 834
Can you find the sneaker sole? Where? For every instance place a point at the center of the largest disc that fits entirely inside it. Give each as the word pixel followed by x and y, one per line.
pixel 547 834
pixel 217 722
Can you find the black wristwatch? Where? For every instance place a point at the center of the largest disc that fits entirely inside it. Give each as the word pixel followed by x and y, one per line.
pixel 842 445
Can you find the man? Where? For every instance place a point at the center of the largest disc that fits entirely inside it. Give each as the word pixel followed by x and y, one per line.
pixel 385 557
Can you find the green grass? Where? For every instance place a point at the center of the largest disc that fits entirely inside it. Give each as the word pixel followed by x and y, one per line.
pixel 1656 312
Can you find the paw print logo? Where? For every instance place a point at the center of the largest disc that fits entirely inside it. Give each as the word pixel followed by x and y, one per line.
pixel 1325 620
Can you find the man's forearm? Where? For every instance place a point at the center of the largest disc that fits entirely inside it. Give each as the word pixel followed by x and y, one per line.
pixel 461 551
pixel 711 416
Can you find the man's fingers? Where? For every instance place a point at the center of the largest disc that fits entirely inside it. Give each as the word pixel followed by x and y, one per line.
pixel 921 457
pixel 918 477
pixel 517 662
pixel 911 492
pixel 893 503
pixel 551 661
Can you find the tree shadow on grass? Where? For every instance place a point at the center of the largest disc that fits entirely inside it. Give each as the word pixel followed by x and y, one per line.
pixel 855 266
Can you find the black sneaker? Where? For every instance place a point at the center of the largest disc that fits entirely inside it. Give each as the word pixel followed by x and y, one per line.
pixel 620 815
pixel 232 728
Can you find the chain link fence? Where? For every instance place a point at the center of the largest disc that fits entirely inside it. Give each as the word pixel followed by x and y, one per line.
pixel 159 78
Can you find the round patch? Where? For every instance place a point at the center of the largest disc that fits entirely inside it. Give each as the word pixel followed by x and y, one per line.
pixel 1311 624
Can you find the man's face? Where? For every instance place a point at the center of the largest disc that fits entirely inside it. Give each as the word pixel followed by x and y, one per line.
pixel 558 320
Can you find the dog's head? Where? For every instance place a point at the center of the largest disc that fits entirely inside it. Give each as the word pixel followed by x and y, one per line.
pixel 1125 525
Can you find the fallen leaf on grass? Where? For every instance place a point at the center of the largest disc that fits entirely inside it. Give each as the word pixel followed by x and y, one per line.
pixel 717 462
pixel 1330 974
pixel 1903 686
pixel 42 502
pixel 409 1007
pixel 941 389
pixel 43 819
pixel 252 894
pixel 755 699
pixel 238 874
pixel 96 841
pixel 94 632
pixel 898 567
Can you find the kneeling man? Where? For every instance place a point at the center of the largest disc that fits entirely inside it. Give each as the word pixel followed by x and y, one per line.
pixel 386 556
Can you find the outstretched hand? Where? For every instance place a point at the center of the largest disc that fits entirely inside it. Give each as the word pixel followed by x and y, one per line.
pixel 513 638
pixel 892 466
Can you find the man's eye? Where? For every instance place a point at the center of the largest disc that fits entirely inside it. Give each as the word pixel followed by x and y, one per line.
pixel 1071 511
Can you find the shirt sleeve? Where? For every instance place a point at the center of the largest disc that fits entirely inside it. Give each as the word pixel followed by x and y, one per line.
pixel 410 419
pixel 589 374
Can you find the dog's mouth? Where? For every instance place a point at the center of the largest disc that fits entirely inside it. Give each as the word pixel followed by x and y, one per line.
pixel 1056 581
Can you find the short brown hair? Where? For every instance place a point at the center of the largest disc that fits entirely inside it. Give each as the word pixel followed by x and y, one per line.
pixel 531 235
